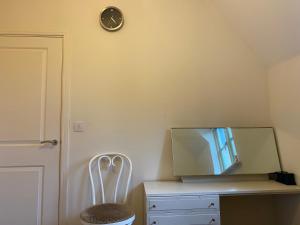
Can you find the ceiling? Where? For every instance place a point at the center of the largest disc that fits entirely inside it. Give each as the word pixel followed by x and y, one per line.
pixel 270 27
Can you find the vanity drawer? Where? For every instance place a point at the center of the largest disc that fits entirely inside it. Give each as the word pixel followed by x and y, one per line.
pixel 183 202
pixel 188 219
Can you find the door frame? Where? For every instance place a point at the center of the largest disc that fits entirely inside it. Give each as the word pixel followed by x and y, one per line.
pixel 65 119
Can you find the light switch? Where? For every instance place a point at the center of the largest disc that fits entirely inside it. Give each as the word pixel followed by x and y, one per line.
pixel 79 126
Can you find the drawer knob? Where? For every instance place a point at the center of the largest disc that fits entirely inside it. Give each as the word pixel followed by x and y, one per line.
pixel 153 206
pixel 212 221
pixel 154 222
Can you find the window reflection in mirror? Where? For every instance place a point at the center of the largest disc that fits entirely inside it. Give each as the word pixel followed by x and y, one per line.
pixel 225 157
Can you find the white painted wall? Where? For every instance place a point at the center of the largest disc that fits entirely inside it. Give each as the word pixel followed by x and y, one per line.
pixel 284 85
pixel 174 63
pixel 270 27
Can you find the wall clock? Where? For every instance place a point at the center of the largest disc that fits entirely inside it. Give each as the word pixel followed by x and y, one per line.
pixel 111 18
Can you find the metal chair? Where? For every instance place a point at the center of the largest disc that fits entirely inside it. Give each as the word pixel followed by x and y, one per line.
pixel 113 211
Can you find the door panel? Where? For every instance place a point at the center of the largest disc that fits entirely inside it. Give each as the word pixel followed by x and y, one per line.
pixel 30 107
pixel 21 208
pixel 18 84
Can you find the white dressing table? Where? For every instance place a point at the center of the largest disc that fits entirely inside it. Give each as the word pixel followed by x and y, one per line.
pixel 177 203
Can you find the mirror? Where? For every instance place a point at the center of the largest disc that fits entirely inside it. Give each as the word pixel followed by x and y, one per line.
pixel 223 151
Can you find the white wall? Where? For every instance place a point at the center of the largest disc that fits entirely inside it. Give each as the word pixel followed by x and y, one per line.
pixel 270 27
pixel 284 85
pixel 174 63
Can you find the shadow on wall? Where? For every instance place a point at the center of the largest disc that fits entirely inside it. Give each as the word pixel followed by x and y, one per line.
pixel 82 187
pixel 166 159
pixel 288 130
pixel 288 206
pixel 136 201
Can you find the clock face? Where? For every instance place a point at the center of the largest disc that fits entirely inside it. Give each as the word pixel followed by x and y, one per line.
pixel 111 18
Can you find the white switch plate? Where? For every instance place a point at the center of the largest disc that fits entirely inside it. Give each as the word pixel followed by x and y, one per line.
pixel 79 126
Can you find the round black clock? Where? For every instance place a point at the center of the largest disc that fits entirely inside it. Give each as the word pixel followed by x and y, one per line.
pixel 111 18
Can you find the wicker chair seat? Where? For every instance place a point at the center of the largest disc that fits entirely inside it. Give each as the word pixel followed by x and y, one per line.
pixel 106 214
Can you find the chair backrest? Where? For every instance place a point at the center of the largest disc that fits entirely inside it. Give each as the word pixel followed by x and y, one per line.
pixel 111 165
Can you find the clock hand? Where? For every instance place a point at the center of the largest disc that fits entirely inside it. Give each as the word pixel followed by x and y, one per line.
pixel 113 20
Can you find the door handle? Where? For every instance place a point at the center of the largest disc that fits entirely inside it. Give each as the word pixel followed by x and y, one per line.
pixel 52 142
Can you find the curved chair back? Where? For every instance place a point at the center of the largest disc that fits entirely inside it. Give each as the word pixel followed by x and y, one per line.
pixel 111 159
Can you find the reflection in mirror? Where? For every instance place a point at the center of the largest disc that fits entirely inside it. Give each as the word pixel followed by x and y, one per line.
pixel 221 151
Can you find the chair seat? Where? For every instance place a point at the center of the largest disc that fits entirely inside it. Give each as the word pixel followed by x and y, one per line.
pixel 106 214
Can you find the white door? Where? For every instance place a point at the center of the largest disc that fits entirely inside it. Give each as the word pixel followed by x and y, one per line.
pixel 30 108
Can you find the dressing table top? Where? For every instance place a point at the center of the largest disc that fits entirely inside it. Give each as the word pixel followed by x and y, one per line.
pixel 228 188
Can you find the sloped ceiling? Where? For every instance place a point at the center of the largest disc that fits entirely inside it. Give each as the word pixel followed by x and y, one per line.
pixel 270 27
